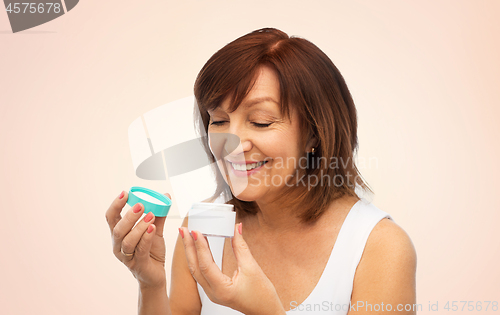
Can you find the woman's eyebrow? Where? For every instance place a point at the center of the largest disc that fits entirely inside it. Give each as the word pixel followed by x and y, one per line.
pixel 247 104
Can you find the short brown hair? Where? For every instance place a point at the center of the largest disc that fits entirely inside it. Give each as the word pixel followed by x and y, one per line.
pixel 309 83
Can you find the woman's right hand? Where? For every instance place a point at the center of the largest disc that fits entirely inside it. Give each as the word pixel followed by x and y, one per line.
pixel 140 248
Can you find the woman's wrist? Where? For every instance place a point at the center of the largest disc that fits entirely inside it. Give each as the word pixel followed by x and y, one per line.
pixel 279 310
pixel 267 309
pixel 148 287
pixel 153 300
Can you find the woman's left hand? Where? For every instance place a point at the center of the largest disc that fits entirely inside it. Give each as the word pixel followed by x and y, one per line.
pixel 248 291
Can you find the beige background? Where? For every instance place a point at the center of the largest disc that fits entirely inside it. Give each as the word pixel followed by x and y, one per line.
pixel 424 76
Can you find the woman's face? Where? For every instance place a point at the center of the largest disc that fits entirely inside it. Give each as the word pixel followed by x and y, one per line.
pixel 268 150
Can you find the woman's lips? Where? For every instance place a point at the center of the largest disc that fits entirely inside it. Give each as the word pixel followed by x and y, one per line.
pixel 243 173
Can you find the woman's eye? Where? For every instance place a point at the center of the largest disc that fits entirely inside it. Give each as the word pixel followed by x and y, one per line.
pixel 261 125
pixel 217 123
pixel 222 122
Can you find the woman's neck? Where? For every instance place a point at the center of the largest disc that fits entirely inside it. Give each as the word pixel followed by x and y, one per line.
pixel 274 218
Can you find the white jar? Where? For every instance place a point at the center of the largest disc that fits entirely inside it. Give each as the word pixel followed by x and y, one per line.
pixel 212 219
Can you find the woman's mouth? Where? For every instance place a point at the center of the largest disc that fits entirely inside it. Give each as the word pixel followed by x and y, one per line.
pixel 245 169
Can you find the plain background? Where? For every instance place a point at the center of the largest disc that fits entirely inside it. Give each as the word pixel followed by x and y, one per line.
pixel 424 76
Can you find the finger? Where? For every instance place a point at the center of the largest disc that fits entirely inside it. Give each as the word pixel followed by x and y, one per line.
pixel 123 227
pixel 130 241
pixel 192 259
pixel 208 244
pixel 207 265
pixel 143 248
pixel 160 222
pixel 240 247
pixel 114 210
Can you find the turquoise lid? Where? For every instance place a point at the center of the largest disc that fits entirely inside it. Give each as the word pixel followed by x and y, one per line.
pixel 152 201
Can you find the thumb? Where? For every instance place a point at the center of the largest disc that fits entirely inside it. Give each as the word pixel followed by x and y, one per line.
pixel 240 247
pixel 160 221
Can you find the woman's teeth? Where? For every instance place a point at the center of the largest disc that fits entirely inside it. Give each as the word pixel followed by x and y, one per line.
pixel 247 167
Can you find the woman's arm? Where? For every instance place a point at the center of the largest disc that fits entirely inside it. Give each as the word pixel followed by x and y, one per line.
pixel 184 298
pixel 153 301
pixel 385 276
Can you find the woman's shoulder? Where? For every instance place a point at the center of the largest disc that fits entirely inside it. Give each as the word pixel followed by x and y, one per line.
pixel 387 236
pixel 388 246
pixel 387 266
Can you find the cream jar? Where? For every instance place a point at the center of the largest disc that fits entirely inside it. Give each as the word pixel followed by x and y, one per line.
pixel 212 219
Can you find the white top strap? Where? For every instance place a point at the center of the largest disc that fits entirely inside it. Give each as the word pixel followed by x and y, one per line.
pixel 348 251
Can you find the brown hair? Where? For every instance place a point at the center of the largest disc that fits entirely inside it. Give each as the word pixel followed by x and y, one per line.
pixel 310 84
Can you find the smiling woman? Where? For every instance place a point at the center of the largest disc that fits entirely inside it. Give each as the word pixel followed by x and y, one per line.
pixel 305 242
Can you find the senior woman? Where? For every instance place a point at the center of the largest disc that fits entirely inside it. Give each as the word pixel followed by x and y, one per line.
pixel 304 242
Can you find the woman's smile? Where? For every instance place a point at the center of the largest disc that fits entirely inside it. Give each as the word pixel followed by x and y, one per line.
pixel 245 168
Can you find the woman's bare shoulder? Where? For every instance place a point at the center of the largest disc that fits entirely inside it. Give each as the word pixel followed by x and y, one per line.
pixel 387 269
pixel 389 238
pixel 390 245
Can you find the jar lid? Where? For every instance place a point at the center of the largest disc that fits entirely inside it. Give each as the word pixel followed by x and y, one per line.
pixel 153 201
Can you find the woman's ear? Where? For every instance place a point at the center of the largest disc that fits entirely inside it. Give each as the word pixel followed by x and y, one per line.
pixel 311 143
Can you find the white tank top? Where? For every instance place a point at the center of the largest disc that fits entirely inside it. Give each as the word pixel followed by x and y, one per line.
pixel 332 293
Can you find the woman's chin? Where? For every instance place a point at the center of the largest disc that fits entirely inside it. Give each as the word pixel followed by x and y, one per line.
pixel 244 199
pixel 246 195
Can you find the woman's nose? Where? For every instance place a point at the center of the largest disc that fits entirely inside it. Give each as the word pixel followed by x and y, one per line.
pixel 241 147
pixel 246 145
pixel 242 137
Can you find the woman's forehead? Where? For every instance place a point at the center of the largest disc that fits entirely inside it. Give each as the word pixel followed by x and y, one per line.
pixel 267 102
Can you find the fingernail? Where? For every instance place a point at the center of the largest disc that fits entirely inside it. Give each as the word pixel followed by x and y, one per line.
pixel 148 217
pixel 181 232
pixel 137 208
pixel 150 228
pixel 121 195
pixel 193 234
pixel 239 228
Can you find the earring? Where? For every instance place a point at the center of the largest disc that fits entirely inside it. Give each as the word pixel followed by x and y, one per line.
pixel 311 158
